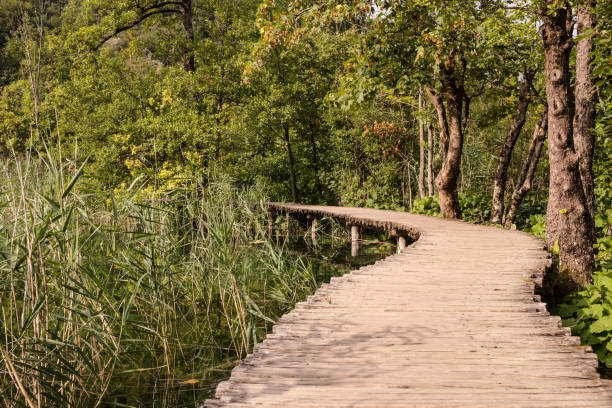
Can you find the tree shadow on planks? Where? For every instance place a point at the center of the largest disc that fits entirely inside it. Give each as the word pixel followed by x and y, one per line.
pixel 322 356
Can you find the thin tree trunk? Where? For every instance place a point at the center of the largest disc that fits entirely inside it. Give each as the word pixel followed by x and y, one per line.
pixel 409 187
pixel 430 187
pixel 421 180
pixel 217 129
pixel 315 163
pixel 451 167
pixel 189 62
pixel 525 179
pixel 584 117
pixel 568 222
pixel 501 175
pixel 290 162
pixel 466 111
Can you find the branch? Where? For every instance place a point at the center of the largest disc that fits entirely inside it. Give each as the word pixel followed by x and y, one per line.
pixel 160 5
pixel 134 24
pixel 537 93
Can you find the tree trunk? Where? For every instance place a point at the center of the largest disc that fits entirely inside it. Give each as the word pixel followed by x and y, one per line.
pixel 466 111
pixel 294 190
pixel 438 104
pixel 568 222
pixel 430 188
pixel 315 163
pixel 525 178
pixel 217 129
pixel 409 187
pixel 501 175
pixel 189 62
pixel 584 118
pixel 451 167
pixel 421 180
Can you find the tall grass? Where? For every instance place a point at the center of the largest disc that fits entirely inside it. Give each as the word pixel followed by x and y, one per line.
pixel 130 301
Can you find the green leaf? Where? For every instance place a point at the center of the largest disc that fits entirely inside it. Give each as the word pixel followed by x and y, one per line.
pixel 601 325
pixel 594 311
pixel 75 178
pixel 567 310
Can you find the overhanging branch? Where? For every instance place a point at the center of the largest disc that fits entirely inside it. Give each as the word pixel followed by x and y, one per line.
pixel 135 23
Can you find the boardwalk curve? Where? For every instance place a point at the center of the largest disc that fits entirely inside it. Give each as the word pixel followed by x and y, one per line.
pixel 451 321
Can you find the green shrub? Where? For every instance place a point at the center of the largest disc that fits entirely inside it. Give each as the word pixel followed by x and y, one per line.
pixel 475 207
pixel 427 206
pixel 589 312
pixel 536 224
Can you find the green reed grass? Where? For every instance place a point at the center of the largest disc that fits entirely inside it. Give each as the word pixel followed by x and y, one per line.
pixel 130 301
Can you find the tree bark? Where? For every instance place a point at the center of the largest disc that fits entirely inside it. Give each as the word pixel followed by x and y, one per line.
pixel 430 188
pixel 568 222
pixel 292 179
pixel 451 167
pixel 501 175
pixel 315 163
pixel 438 104
pixel 421 180
pixel 189 63
pixel 584 117
pixel 530 164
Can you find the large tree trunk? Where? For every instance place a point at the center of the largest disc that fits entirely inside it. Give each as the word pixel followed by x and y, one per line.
pixel 451 167
pixel 525 178
pixel 568 222
pixel 430 188
pixel 584 118
pixel 501 175
pixel 292 179
pixel 438 104
pixel 189 62
pixel 421 180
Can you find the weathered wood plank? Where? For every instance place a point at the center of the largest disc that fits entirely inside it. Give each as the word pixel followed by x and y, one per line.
pixel 451 321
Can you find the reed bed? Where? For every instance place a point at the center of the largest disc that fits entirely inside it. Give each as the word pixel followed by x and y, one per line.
pixel 126 300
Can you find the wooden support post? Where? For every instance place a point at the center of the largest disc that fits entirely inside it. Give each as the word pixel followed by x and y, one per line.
pixel 401 243
pixel 354 233
pixel 355 236
pixel 270 224
pixel 313 230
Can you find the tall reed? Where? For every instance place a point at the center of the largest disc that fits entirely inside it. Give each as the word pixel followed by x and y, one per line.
pixel 130 300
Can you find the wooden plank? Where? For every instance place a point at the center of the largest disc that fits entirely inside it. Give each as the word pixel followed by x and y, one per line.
pixel 451 321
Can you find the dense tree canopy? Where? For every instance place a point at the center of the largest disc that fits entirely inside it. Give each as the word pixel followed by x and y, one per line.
pixel 507 105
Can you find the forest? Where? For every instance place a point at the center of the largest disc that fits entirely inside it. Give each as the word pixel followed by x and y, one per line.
pixel 141 139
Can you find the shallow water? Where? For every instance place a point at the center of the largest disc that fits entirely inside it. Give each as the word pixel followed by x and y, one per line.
pixel 330 256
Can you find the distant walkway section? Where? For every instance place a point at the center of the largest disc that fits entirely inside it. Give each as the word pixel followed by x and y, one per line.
pixel 451 321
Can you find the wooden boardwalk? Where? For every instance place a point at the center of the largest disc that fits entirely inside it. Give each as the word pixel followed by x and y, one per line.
pixel 452 321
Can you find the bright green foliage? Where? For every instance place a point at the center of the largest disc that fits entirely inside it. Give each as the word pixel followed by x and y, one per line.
pixel 427 206
pixel 536 224
pixel 589 313
pixel 336 80
pixel 475 207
